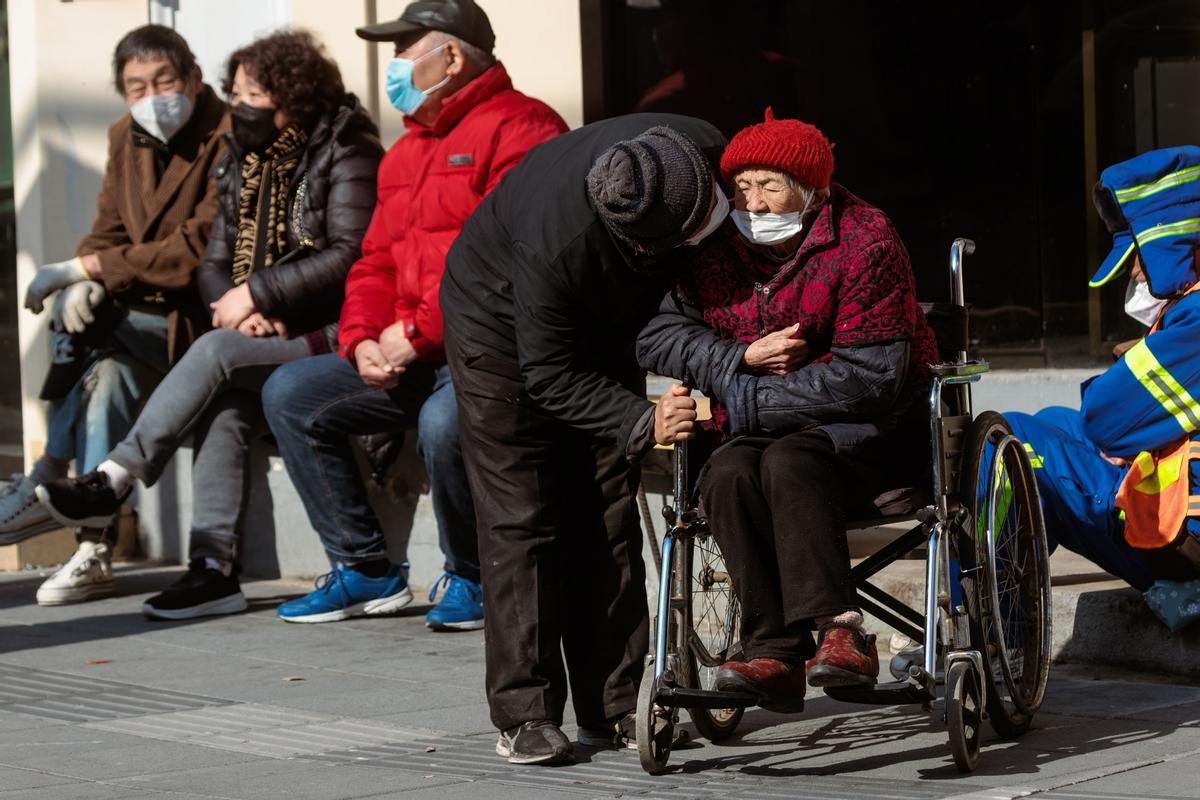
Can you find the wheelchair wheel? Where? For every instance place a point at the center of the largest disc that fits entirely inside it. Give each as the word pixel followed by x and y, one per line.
pixel 714 632
pixel 654 726
pixel 964 714
pixel 1009 593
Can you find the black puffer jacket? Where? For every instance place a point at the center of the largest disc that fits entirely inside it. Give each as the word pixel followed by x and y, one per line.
pixel 331 199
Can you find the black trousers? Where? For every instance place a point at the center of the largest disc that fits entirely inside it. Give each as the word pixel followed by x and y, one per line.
pixel 560 552
pixel 778 508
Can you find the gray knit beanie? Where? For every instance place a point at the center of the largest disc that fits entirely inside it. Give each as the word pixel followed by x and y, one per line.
pixel 652 191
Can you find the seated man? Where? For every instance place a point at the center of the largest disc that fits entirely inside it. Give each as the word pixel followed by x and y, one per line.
pixel 155 210
pixel 801 324
pixel 1117 479
pixel 467 127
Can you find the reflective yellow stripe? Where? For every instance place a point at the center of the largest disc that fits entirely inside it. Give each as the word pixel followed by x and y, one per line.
pixel 1169 393
pixel 1035 460
pixel 1162 475
pixel 1116 268
pixel 1165 182
pixel 1174 229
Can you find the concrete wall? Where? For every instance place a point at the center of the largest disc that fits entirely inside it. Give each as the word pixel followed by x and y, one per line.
pixel 62 104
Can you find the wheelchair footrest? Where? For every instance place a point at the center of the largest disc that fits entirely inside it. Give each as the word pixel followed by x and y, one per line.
pixel 881 694
pixel 680 697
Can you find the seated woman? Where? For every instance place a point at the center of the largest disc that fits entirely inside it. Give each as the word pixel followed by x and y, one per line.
pixel 800 322
pixel 296 191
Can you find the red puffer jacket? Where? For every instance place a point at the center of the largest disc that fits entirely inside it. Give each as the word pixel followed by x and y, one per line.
pixel 429 183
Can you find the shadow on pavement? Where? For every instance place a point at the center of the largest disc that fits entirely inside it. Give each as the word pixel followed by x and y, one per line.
pixel 838 743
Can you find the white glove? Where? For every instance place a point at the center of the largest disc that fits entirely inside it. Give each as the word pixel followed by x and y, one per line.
pixel 51 278
pixel 72 309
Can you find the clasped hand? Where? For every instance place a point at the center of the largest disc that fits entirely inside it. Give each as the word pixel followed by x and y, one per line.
pixel 74 306
pixel 777 353
pixel 381 363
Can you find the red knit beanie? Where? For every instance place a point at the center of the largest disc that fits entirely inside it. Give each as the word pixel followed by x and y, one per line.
pixel 788 145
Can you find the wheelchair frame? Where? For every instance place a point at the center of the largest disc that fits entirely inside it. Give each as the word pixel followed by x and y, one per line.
pixel 963 618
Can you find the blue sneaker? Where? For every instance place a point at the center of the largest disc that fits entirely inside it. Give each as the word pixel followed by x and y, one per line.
pixel 461 606
pixel 343 593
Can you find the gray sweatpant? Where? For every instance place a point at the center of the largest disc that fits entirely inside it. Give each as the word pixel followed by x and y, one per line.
pixel 213 395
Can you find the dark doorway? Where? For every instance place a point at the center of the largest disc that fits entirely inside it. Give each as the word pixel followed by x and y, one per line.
pixel 957 119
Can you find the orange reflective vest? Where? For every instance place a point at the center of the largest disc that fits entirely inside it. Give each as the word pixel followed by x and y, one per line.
pixel 1155 495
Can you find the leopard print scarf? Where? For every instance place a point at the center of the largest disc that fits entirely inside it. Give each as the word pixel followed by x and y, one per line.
pixel 262 206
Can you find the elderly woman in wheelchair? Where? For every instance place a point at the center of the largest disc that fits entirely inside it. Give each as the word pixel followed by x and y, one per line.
pixel 800 321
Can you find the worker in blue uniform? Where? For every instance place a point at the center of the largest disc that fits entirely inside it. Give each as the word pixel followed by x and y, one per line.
pixel 1119 478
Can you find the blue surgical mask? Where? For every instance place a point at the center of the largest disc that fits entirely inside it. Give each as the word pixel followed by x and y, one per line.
pixel 403 96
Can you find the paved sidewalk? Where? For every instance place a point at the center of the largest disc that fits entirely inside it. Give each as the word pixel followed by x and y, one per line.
pixel 97 702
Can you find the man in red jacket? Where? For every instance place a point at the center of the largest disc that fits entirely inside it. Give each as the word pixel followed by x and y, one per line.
pixel 467 126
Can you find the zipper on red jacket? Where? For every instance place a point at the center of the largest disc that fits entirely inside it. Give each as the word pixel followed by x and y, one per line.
pixel 760 293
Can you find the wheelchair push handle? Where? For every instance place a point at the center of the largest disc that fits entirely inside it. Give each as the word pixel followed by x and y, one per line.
pixel 961 247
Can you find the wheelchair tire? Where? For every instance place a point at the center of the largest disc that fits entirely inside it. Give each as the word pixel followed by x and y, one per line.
pixel 1009 600
pixel 714 629
pixel 964 715
pixel 654 727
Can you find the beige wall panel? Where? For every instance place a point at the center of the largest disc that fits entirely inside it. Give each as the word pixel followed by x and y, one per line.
pixel 62 104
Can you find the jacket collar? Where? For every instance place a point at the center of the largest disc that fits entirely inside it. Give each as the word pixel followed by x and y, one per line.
pixel 490 82
pixel 823 229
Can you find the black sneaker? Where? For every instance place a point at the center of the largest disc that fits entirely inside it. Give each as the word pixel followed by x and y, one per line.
pixel 537 742
pixel 620 733
pixel 84 502
pixel 201 592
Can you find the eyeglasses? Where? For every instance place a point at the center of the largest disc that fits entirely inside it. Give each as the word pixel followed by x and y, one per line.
pixel 163 84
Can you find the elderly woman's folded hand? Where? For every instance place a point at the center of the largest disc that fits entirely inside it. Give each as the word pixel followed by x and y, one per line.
pixel 777 353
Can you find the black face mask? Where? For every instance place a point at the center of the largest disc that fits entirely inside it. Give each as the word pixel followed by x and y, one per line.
pixel 253 128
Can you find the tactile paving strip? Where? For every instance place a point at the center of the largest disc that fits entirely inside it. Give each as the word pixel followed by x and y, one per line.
pixel 260 729
pixel 613 773
pixel 72 698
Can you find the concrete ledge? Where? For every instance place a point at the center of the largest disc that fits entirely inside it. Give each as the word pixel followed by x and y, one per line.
pixel 277 539
pixel 1097 619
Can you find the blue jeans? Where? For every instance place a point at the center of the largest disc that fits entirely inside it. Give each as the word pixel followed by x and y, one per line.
pixel 453 509
pixel 313 405
pixel 98 412
pixel 1078 489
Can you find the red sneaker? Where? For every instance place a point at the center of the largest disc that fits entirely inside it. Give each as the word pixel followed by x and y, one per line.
pixel 845 657
pixel 780 687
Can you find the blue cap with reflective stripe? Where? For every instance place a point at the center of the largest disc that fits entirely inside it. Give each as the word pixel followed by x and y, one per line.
pixel 1151 205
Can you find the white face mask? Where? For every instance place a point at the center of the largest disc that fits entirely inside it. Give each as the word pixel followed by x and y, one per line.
pixel 1140 304
pixel 719 212
pixel 768 228
pixel 162 115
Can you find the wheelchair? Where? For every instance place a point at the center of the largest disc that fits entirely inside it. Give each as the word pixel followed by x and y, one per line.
pixel 985 623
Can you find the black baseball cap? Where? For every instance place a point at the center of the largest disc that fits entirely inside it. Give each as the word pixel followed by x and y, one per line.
pixel 461 18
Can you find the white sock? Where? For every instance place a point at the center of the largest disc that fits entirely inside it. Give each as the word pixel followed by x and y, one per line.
pixel 46 470
pixel 223 567
pixel 854 618
pixel 118 477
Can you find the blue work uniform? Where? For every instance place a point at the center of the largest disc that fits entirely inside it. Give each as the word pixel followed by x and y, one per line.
pixel 1148 399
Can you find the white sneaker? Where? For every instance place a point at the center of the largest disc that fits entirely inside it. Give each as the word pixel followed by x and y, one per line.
pixel 86 576
pixel 21 515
